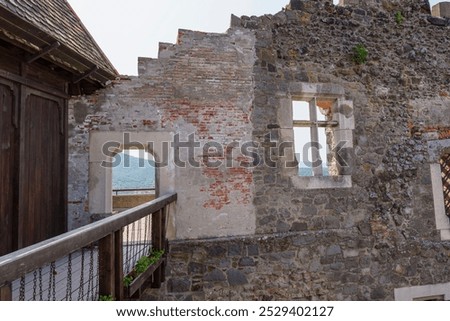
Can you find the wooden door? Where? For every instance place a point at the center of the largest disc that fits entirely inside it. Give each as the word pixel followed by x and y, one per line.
pixel 8 172
pixel 42 198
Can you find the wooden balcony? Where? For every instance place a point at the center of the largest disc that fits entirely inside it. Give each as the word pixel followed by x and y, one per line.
pixel 97 261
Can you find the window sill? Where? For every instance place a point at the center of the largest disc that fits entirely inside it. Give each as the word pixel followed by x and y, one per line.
pixel 324 182
pixel 422 291
pixel 445 235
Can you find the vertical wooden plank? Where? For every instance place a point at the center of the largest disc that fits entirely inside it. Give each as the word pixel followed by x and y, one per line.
pixel 157 244
pixel 156 230
pixel 6 293
pixel 164 240
pixel 65 165
pixel 106 255
pixel 22 201
pixel 7 173
pixel 118 265
pixel 164 212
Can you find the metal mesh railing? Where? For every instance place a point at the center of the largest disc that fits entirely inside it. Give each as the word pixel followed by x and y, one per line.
pixel 144 246
pixel 137 242
pixel 71 278
pixel 445 170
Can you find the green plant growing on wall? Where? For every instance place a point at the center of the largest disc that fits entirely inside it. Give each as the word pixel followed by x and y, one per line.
pixel 155 255
pixel 399 18
pixel 360 54
pixel 106 298
pixel 142 265
pixel 127 280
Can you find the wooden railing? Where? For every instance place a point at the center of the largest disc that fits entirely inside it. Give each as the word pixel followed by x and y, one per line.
pixel 133 190
pixel 103 253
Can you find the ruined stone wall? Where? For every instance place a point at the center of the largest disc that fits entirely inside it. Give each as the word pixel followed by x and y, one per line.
pixel 354 242
pixel 202 87
pixel 407 63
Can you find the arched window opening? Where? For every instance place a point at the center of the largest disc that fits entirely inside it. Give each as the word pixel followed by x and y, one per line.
pixel 133 179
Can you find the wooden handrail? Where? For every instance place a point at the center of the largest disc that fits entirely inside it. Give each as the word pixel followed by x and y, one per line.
pixel 117 191
pixel 16 264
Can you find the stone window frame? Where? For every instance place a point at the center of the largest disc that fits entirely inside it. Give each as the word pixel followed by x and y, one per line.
pixel 342 113
pixel 423 292
pixel 100 177
pixel 436 149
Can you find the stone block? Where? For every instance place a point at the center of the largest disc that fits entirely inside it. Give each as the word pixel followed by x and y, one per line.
pixel 235 249
pixel 178 285
pixel 196 268
pixel 333 250
pixel 282 227
pixel 166 50
pixel 217 251
pixel 247 261
pixel 236 277
pixel 378 293
pixel 296 5
pixel 299 226
pixel 304 240
pixel 215 275
pixel 343 113
pixel 235 21
pixel 252 250
pixel 285 113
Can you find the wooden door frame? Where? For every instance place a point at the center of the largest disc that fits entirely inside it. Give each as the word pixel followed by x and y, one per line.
pixel 15 91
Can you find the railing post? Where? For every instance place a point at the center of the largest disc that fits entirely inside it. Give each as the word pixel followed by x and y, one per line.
pixel 106 254
pixel 164 212
pixel 157 244
pixel 118 264
pixel 6 293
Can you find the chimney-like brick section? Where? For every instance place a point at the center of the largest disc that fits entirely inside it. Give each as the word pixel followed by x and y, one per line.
pixel 441 9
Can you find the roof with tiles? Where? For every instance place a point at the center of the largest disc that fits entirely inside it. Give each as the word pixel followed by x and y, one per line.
pixel 57 19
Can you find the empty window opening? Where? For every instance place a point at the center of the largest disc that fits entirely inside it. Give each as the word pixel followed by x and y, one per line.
pixel 445 172
pixel 313 131
pixel 133 179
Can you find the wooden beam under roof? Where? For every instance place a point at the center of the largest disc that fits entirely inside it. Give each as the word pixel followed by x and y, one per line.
pixel 30 38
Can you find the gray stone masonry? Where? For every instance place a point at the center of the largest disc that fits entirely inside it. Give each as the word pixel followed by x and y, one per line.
pixel 329 265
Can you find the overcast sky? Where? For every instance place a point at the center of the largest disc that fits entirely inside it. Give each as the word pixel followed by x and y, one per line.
pixel 126 30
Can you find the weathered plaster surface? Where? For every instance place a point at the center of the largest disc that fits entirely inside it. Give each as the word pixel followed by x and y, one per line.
pixel 202 86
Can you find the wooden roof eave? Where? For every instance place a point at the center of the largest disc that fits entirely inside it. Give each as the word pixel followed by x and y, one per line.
pixel 30 38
